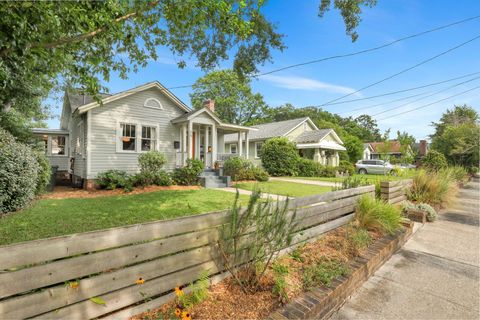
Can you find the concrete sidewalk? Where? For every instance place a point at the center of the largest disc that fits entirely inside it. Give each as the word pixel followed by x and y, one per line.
pixel 434 276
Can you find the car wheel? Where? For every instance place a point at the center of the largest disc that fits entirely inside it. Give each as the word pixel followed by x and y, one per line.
pixel 393 173
pixel 362 171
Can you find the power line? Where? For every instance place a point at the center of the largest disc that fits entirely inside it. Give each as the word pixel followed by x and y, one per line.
pixel 430 95
pixel 350 54
pixel 409 97
pixel 429 104
pixel 401 91
pixel 405 70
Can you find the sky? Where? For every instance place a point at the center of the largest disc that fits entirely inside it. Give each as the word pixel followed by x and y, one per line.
pixel 309 37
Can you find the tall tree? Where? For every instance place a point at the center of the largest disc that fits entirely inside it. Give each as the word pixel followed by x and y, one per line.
pixel 369 130
pixel 457 116
pixel 234 100
pixel 407 142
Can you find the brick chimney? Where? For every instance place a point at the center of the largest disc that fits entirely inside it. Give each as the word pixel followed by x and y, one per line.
pixel 422 148
pixel 209 104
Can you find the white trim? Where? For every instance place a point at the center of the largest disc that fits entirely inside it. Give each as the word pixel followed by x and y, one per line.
pixel 256 155
pixel 157 136
pixel 120 134
pixel 89 144
pixel 306 120
pixel 155 84
pixel 236 148
pixel 160 105
pixel 66 148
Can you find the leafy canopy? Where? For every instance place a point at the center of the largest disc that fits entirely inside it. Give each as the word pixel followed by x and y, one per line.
pixel 234 100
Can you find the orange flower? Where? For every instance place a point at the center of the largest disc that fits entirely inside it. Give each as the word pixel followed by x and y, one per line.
pixel 186 316
pixel 140 281
pixel 73 284
pixel 178 312
pixel 178 291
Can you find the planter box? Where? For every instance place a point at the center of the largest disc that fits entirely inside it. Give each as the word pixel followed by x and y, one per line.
pixel 322 302
pixel 417 216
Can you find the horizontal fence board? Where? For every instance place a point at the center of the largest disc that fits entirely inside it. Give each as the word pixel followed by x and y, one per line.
pixel 330 196
pixel 388 184
pixel 320 229
pixel 128 296
pixel 393 189
pixel 62 270
pixel 306 212
pixel 325 216
pixel 60 296
pixel 397 199
pixel 37 251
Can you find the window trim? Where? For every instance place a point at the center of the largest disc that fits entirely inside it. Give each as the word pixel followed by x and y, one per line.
pixel 256 143
pixel 156 139
pixel 120 135
pixel 138 135
pixel 151 107
pixel 50 139
pixel 236 148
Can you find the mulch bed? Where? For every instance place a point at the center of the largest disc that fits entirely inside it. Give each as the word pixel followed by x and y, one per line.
pixel 62 192
pixel 226 300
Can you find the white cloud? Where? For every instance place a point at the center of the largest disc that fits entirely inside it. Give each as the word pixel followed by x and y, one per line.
pixel 301 83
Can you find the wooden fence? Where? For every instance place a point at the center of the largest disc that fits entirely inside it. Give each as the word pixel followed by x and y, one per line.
pixel 395 191
pixel 56 278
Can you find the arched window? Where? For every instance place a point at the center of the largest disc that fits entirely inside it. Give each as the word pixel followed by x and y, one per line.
pixel 152 103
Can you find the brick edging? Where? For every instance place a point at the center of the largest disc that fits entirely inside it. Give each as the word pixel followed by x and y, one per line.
pixel 322 302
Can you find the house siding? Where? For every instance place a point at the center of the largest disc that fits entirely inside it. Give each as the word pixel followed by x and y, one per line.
pixel 299 130
pixel 105 124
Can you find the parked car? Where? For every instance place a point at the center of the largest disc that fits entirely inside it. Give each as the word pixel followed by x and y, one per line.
pixel 373 167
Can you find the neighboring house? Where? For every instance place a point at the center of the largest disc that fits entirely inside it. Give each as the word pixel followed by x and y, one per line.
pixel 374 150
pixel 321 145
pixel 97 137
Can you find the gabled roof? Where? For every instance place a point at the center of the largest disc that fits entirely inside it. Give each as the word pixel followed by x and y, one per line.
pixel 394 146
pixel 313 136
pixel 79 99
pixel 155 84
pixel 272 129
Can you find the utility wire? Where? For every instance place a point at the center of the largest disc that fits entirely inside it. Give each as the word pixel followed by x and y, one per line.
pixel 404 90
pixel 429 104
pixel 430 95
pixel 404 70
pixel 406 98
pixel 352 53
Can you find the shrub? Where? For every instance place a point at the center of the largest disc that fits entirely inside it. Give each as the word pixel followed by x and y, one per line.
pixel 280 284
pixel 113 179
pixel 188 175
pixel 44 172
pixel 353 182
pixel 360 239
pixel 280 157
pixel 374 214
pixel 151 162
pixel 346 167
pixel 434 160
pixel 328 171
pixel 309 168
pixel 458 173
pixel 19 171
pixel 434 188
pixel 260 174
pixel 159 178
pixel 322 273
pixel 429 210
pixel 473 169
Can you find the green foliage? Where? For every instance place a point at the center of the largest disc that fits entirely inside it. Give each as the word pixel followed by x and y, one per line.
pixel 280 284
pixel 234 100
pixel 434 160
pixel 354 147
pixel 151 162
pixel 328 171
pixel 297 254
pixel 407 142
pixel 158 178
pixel 322 273
pixel 188 175
pixel 346 167
pixel 429 210
pixel 198 291
pixel 113 179
pixel 435 188
pixel 44 172
pixel 309 168
pixel 19 173
pixel 374 214
pixel 360 238
pixel 354 181
pixel 458 173
pixel 280 157
pixel 253 236
pixel 242 169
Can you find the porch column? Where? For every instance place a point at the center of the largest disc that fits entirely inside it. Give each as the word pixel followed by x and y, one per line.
pixel 214 144
pixel 184 143
pixel 190 140
pixel 205 147
pixel 317 157
pixel 247 145
pixel 337 159
pixel 323 157
pixel 197 142
pixel 239 144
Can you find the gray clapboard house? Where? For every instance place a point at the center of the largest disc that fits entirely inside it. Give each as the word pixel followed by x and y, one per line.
pixel 97 137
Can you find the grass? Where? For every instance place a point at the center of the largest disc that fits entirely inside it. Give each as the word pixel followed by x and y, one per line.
pixel 369 177
pixel 374 214
pixel 55 217
pixel 284 188
pixel 435 188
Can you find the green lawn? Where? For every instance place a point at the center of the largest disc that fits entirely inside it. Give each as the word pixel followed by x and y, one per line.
pixel 284 188
pixel 369 177
pixel 55 217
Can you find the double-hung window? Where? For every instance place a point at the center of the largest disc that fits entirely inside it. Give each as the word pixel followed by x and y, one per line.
pixel 128 137
pixel 258 149
pixel 149 138
pixel 58 145
pixel 233 148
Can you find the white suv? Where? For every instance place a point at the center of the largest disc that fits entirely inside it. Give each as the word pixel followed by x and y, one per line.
pixel 373 167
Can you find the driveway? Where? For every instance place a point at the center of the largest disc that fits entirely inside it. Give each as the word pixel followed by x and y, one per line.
pixel 434 276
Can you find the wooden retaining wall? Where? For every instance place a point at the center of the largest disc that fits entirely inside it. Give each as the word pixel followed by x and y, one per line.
pixel 395 191
pixel 37 277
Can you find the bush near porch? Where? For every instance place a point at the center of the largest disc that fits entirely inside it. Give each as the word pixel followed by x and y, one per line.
pixel 242 169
